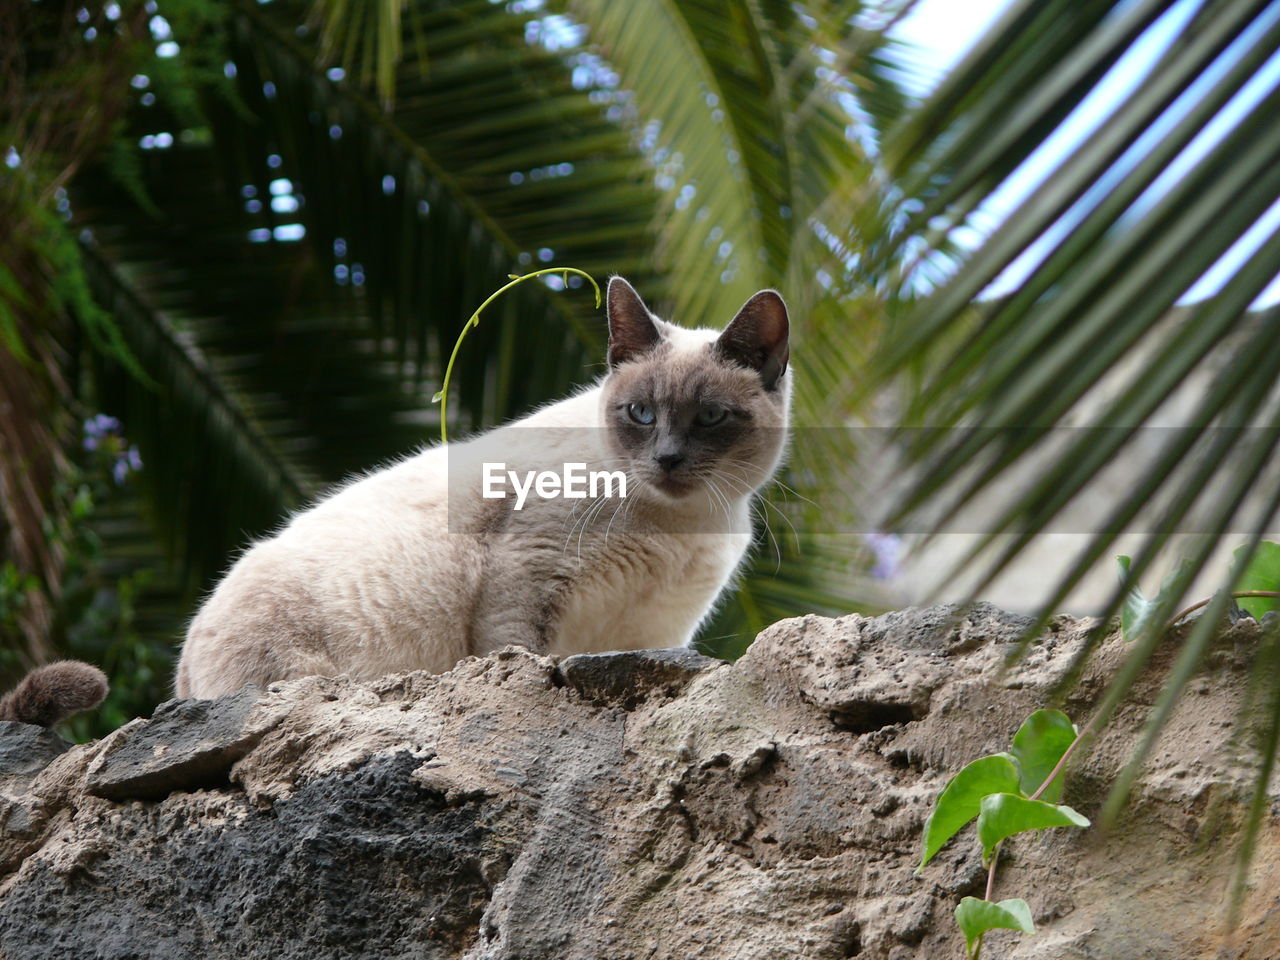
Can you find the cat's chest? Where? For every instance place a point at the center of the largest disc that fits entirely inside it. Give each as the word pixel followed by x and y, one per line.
pixel 643 593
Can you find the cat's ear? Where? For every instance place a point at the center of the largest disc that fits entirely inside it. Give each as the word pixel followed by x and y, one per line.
pixel 757 337
pixel 632 329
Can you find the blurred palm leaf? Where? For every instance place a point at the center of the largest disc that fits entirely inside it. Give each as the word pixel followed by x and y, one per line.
pixel 1123 223
pixel 366 38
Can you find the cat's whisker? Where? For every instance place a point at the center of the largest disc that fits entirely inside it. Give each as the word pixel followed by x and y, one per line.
pixel 737 483
pixel 795 534
pixel 768 529
pixel 578 527
pixel 764 520
pixel 622 502
pixel 581 524
pixel 625 507
pixel 723 501
pixel 571 522
pixel 774 481
pixel 594 512
pixel 765 500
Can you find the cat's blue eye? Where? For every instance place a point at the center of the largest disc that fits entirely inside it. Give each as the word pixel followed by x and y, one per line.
pixel 641 414
pixel 710 416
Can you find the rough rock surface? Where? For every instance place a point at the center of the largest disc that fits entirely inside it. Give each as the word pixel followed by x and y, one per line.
pixel 643 805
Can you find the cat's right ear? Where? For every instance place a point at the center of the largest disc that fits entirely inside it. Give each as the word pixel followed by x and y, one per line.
pixel 632 328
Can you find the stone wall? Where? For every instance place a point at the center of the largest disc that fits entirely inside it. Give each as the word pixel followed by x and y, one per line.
pixel 626 806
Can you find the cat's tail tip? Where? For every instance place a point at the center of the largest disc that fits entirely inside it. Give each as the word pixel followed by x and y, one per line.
pixel 48 695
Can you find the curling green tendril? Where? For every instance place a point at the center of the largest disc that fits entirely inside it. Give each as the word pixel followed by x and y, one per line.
pixel 442 397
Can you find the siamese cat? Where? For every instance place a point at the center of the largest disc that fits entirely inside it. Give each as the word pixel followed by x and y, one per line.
pixel 423 563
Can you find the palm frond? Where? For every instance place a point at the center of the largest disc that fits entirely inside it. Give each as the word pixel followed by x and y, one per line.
pixel 184 415
pixel 460 185
pixel 278 388
pixel 711 116
pixel 746 133
pixel 367 39
pixel 1123 224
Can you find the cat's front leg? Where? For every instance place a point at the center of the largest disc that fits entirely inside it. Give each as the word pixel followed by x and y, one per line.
pixel 516 601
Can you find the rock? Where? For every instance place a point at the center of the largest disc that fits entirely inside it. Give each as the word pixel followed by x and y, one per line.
pixel 626 678
pixel 187 745
pixel 634 805
pixel 25 750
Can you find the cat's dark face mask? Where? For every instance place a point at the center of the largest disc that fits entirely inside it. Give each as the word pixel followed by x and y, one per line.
pixel 692 413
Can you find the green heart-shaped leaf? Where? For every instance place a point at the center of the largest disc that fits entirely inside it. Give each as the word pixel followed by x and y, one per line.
pixel 1038 746
pixel 975 917
pixel 1004 814
pixel 1262 573
pixel 961 799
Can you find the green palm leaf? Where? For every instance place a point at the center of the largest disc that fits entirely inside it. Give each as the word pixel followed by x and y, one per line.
pixel 241 482
pixel 1122 226
pixel 719 113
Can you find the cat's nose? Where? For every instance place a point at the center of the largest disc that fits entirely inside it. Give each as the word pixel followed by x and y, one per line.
pixel 669 461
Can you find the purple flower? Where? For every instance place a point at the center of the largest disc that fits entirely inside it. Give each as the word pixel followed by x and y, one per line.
pixel 100 425
pixel 102 432
pixel 887 548
pixel 126 461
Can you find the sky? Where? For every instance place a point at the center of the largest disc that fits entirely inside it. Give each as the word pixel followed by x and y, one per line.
pixel 941 31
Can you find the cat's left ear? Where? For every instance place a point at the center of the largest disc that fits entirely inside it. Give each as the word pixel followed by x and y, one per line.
pixel 632 329
pixel 757 337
